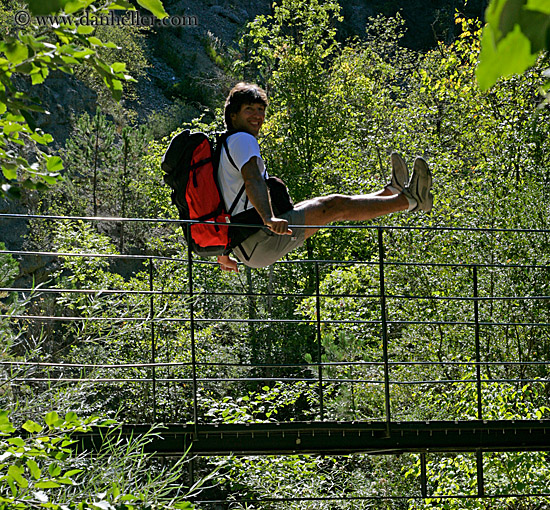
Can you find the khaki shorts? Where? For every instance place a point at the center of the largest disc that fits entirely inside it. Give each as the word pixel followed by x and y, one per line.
pixel 263 248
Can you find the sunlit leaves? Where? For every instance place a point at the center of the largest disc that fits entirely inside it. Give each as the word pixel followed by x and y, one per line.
pixel 40 460
pixel 154 6
pixel 516 31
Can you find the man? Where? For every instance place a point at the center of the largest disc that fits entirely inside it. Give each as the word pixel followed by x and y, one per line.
pixel 245 109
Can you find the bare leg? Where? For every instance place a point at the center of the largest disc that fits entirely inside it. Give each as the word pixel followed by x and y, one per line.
pixel 383 193
pixel 324 210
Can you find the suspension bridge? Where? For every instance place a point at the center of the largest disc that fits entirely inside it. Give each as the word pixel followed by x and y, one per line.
pixel 470 311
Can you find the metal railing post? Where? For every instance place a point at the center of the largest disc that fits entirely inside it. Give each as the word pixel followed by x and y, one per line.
pixel 480 477
pixel 479 453
pixel 423 476
pixel 319 345
pixel 153 340
pixel 384 331
pixel 477 344
pixel 192 328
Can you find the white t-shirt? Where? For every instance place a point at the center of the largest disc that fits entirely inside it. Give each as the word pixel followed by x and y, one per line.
pixel 242 146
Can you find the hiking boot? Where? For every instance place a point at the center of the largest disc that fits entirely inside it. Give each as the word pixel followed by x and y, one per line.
pixel 419 187
pixel 399 174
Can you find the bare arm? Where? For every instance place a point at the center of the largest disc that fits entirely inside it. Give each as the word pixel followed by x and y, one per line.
pixel 257 192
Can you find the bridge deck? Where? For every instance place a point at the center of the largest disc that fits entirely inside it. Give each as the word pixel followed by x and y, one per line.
pixel 340 437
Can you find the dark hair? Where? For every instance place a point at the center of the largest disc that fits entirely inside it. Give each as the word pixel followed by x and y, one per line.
pixel 243 93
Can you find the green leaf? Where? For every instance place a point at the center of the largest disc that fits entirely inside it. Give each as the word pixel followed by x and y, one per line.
pixel 83 53
pixel 37 78
pixel 538 5
pixel 36 472
pixel 25 68
pixel 508 15
pixel 9 174
pixel 16 52
pixel 12 128
pixel 47 484
pixel 54 470
pixel 95 41
pixel 52 419
pixel 119 67
pixel 129 497
pixel 536 27
pixel 71 417
pixel 54 164
pixel 17 441
pixel 154 6
pixel 32 426
pixel 73 472
pixel 43 139
pixel 45 6
pixel 30 120
pixel 75 5
pixel 16 473
pixel 64 480
pixel 85 30
pixel 511 55
pixel 115 86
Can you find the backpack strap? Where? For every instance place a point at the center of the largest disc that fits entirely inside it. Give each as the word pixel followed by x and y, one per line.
pixel 243 216
pixel 226 147
pixel 232 161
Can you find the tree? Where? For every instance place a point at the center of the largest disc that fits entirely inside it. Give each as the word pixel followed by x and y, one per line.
pixel 292 52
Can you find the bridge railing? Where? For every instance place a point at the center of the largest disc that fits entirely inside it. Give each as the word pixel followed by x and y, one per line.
pixel 392 338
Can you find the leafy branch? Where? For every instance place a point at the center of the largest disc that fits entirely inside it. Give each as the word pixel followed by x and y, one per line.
pixel 31 54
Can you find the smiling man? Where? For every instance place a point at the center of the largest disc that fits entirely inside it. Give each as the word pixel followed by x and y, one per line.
pixel 241 163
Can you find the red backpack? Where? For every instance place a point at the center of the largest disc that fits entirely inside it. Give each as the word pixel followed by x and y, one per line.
pixel 190 165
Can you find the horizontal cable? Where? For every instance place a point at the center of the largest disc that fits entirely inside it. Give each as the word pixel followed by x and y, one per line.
pixel 265 379
pixel 297 499
pixel 111 219
pixel 329 364
pixel 269 321
pixel 326 262
pixel 123 292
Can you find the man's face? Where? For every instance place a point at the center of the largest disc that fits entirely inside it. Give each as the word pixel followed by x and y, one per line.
pixel 250 118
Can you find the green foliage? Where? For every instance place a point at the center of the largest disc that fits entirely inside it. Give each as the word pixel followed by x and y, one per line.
pixel 291 52
pixel 337 110
pixel 270 404
pixel 40 468
pixel 34 52
pixel 516 31
pixel 109 171
pixel 128 46
pixel 90 158
pixel 9 303
pixel 504 473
